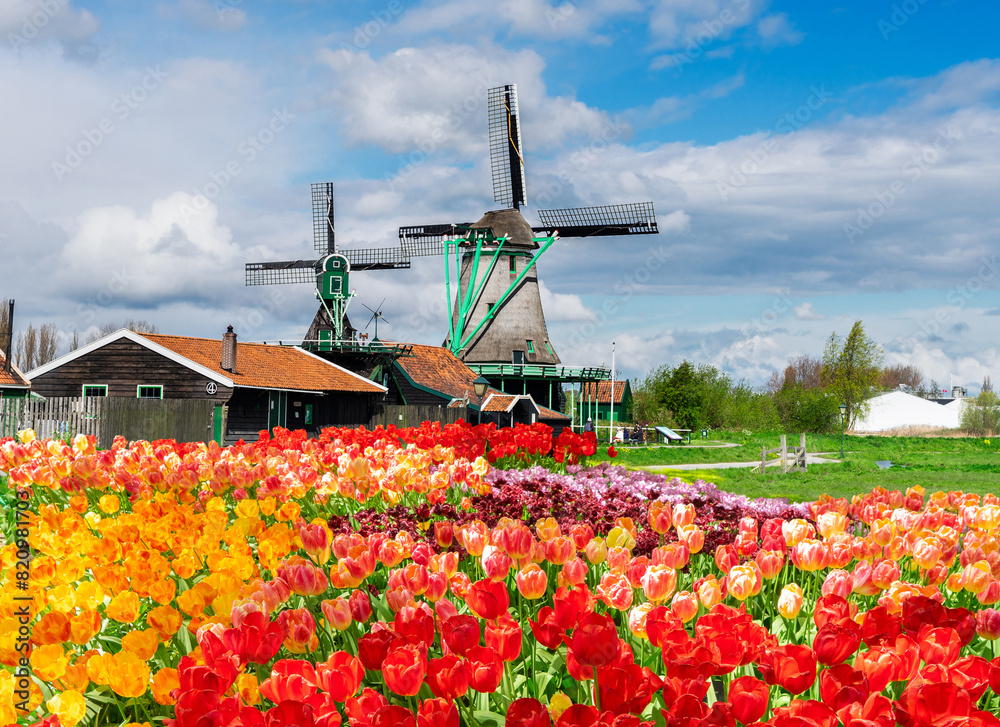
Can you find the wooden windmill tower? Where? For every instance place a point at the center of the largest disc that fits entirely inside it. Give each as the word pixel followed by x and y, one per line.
pixel 496 316
pixel 330 273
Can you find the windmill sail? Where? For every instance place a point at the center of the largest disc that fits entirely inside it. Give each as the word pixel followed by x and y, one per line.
pixel 324 238
pixel 637 218
pixel 506 158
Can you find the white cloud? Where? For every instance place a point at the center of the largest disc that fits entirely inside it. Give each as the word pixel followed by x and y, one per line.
pixel 563 306
pixel 171 253
pixel 424 101
pixel 806 312
pixel 24 22
pixel 777 29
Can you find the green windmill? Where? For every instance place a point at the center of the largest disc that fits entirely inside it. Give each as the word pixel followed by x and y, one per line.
pixel 330 273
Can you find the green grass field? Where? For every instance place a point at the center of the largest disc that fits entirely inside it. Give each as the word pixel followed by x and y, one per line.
pixel 937 463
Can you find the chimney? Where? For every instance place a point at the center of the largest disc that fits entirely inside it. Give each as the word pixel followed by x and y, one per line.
pixel 229 350
pixel 10 338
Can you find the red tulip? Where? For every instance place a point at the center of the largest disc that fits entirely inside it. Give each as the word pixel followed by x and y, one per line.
pixel 415 625
pixel 393 715
pixel 488 599
pixel 790 666
pixel 836 641
pixel 504 636
pixel 291 679
pixel 448 677
pixel 340 675
pixel 612 452
pixel 842 685
pixel 546 629
pixel 325 713
pixel 579 715
pixel 972 673
pixel 460 633
pixel 404 669
pixel 257 639
pixel 438 713
pixel 595 640
pixel 749 697
pixel 485 669
pixel 801 712
pixel 361 607
pixel 289 713
pixel 527 712
pixel 374 647
pixel 360 709
pixel 939 646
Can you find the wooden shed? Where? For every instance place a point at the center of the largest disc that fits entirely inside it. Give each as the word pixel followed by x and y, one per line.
pixel 261 386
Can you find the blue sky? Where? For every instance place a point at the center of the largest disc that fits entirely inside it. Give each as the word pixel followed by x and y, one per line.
pixel 810 163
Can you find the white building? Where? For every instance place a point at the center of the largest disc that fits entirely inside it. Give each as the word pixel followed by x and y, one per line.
pixel 898 409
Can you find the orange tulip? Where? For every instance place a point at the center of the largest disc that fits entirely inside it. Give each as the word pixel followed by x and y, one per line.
pixel 531 582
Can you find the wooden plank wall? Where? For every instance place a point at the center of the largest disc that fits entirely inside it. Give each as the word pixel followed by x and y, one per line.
pixel 186 420
pixel 414 416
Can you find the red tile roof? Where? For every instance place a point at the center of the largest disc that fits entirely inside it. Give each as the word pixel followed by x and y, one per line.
pixel 438 369
pixel 603 392
pixel 268 367
pixel 545 413
pixel 14 378
pixel 499 402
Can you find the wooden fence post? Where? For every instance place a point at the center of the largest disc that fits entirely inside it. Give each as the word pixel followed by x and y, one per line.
pixel 784 455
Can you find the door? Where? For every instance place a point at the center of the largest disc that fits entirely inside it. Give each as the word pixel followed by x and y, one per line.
pixel 277 407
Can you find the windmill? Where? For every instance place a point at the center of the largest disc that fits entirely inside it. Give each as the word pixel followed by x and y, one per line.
pixel 376 317
pixel 496 315
pixel 330 272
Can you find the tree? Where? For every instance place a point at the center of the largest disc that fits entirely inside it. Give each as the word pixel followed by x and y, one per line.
pixel 803 371
pixel 132 324
pixel 982 418
pixel 987 384
pixel 892 377
pixel 851 370
pixel 36 346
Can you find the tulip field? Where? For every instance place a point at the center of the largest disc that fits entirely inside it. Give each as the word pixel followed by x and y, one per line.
pixel 468 575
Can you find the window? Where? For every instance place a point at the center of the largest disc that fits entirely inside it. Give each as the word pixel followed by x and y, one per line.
pixel 336 285
pixel 518 357
pixel 513 265
pixel 549 346
pixel 531 346
pixel 149 392
pixel 95 390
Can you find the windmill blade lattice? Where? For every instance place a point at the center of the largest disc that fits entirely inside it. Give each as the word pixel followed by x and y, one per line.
pixel 324 237
pixel 279 273
pixel 506 158
pixel 637 218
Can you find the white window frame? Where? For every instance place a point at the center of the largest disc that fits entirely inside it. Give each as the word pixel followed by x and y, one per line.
pixel 148 386
pixel 83 389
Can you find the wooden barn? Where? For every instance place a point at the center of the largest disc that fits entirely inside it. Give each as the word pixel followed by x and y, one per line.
pixel 260 386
